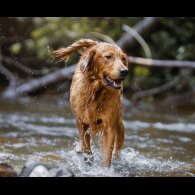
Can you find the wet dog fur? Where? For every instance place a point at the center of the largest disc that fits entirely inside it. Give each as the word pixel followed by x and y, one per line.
pixel 96 94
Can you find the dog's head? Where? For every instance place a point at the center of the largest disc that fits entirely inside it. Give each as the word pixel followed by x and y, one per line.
pixel 103 61
pixel 106 62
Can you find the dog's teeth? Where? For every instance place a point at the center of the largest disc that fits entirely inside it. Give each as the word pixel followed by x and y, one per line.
pixel 109 79
pixel 113 83
pixel 117 84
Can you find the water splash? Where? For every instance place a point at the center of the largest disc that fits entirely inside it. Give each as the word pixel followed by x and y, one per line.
pixel 131 163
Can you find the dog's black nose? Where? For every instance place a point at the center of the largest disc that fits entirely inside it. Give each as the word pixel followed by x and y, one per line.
pixel 123 72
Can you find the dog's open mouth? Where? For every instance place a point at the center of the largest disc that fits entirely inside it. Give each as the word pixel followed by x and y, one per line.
pixel 116 84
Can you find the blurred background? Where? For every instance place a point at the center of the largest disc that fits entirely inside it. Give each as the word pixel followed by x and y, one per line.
pixel 159 96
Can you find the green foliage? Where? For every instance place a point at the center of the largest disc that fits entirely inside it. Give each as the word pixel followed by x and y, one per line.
pixel 16 48
pixel 175 39
pixel 57 32
pixel 32 39
pixel 141 71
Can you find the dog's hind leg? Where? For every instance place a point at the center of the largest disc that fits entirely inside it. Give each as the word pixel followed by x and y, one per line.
pixel 84 137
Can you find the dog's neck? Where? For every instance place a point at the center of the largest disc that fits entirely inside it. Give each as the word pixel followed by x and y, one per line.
pixel 100 92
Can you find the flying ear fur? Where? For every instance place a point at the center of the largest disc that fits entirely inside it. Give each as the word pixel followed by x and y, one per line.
pixel 76 46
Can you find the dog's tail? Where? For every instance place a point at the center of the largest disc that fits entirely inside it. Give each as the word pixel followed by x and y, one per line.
pixel 76 46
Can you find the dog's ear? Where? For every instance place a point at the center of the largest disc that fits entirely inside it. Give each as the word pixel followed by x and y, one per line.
pixel 80 46
pixel 86 60
pixel 125 60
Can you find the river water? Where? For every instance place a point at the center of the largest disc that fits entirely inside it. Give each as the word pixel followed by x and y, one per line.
pixel 159 139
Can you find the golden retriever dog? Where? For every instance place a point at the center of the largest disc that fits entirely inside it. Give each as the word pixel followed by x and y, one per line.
pixel 96 94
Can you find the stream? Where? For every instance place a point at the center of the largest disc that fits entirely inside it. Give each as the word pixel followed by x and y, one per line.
pixel 159 140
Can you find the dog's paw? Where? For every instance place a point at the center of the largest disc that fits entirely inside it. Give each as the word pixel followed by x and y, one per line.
pixel 116 157
pixel 88 159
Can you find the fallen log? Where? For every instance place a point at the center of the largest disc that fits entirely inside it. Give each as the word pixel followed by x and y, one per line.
pixel 35 84
pixel 66 73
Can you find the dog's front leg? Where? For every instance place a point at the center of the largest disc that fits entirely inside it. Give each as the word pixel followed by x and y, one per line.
pixel 107 145
pixel 119 139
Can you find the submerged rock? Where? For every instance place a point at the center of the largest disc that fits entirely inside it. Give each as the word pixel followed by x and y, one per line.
pixel 36 169
pixel 7 171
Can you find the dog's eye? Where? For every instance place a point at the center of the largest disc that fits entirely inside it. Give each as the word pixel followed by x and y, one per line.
pixel 108 57
pixel 124 60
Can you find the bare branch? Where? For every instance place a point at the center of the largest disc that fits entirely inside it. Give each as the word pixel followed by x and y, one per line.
pixel 6 72
pixel 24 68
pixel 162 63
pixel 144 28
pixel 156 90
pixel 103 37
pixel 138 37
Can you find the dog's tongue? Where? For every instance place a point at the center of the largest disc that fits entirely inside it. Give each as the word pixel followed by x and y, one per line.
pixel 117 83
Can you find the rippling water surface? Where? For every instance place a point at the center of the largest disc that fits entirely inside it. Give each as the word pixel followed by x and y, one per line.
pixel 158 141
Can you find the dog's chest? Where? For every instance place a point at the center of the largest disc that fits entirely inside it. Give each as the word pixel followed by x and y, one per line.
pixel 102 104
pixel 95 102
